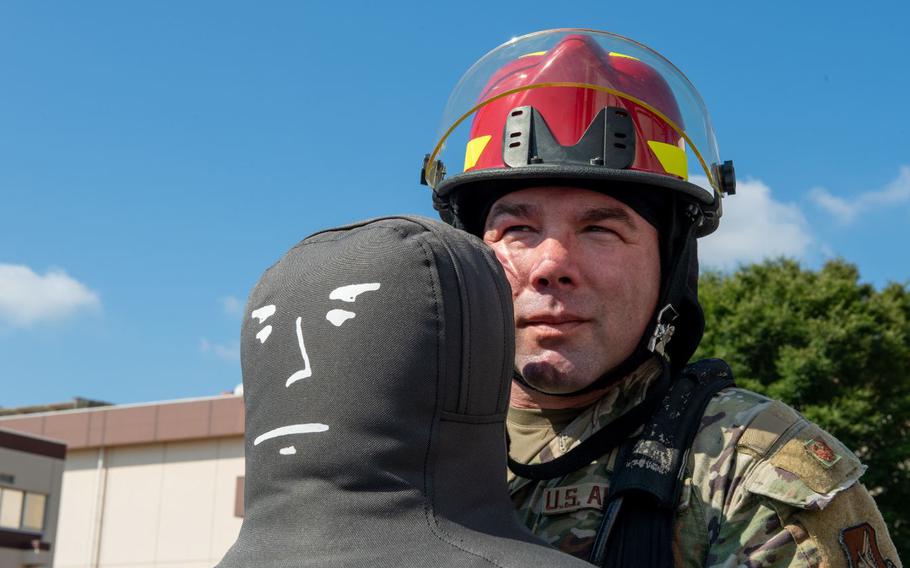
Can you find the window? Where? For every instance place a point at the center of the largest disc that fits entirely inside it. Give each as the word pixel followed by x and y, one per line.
pixel 10 508
pixel 22 510
pixel 33 516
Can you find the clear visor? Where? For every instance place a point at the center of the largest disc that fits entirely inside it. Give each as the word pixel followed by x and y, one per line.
pixel 478 88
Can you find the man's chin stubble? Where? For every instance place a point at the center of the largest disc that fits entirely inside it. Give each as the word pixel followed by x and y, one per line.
pixel 547 378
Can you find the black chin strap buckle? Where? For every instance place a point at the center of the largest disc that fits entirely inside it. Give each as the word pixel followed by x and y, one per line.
pixel 663 331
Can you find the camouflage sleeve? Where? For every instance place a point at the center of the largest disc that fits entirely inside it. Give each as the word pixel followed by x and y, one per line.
pixel 848 532
pixel 754 537
pixel 778 491
pixel 743 528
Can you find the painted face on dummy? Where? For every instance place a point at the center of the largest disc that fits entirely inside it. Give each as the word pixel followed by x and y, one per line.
pixel 585 275
pixel 307 368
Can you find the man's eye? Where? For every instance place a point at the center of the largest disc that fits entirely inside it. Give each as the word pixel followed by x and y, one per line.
pixel 598 229
pixel 517 229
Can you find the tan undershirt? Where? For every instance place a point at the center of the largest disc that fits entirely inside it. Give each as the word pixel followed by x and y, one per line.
pixel 531 428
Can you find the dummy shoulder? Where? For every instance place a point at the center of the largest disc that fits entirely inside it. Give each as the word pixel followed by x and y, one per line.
pixel 796 462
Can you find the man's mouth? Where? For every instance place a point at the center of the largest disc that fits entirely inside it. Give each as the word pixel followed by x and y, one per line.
pixel 557 323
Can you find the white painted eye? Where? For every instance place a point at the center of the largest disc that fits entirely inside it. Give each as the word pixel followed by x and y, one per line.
pixel 338 317
pixel 264 333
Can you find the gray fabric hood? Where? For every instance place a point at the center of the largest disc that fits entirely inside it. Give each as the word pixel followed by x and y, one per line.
pixel 376 361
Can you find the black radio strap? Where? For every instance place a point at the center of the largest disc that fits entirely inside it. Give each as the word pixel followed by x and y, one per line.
pixel 637 526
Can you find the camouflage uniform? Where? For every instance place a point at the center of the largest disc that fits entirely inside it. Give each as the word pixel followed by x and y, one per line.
pixel 764 487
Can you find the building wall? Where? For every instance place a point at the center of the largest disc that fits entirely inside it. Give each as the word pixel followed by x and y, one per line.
pixel 163 505
pixel 77 509
pixel 145 485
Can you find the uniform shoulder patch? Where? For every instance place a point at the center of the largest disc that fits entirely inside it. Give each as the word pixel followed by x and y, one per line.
pixel 820 450
pixel 850 531
pixel 860 544
pixel 803 466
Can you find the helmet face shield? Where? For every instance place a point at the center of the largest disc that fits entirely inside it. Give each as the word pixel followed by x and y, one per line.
pixel 589 103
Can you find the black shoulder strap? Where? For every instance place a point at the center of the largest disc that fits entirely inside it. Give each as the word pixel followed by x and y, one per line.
pixel 653 461
pixel 645 486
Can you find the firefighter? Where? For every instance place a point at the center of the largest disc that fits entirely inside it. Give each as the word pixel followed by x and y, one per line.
pixel 588 162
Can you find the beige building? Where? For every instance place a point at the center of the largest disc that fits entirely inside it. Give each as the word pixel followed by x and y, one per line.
pixel 31 469
pixel 147 485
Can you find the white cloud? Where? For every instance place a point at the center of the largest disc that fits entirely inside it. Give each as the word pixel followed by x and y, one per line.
pixel 846 210
pixel 229 352
pixel 833 204
pixel 231 305
pixel 754 226
pixel 28 298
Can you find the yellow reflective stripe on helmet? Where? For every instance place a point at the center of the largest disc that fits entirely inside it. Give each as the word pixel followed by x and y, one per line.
pixel 623 55
pixel 672 158
pixel 474 150
pixel 532 54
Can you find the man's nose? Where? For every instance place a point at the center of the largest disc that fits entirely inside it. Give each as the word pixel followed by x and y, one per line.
pixel 555 265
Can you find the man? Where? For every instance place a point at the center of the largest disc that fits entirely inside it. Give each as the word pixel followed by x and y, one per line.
pixel 576 173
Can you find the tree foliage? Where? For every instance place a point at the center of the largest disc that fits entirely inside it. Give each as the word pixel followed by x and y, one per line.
pixel 833 348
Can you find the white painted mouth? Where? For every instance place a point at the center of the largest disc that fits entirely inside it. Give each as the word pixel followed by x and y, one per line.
pixel 310 428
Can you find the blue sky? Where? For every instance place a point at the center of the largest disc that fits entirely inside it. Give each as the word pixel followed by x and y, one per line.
pixel 156 157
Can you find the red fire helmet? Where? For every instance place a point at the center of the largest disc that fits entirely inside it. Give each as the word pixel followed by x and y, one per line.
pixel 576 107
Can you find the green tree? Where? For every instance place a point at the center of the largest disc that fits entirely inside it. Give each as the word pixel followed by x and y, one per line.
pixel 835 349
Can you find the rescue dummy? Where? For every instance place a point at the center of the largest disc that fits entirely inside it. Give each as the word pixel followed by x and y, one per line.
pixel 376 364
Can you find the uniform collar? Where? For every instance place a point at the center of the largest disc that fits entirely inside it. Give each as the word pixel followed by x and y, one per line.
pixel 625 395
